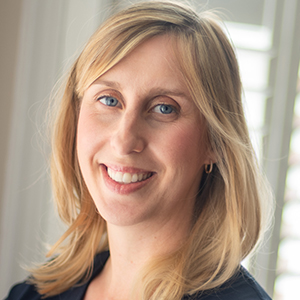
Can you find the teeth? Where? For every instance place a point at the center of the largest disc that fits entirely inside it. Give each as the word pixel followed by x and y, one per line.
pixel 119 177
pixel 127 177
pixel 134 178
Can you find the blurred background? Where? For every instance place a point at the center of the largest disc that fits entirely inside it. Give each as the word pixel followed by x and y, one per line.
pixel 39 42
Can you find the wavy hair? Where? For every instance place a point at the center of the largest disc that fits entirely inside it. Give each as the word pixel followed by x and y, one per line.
pixel 229 209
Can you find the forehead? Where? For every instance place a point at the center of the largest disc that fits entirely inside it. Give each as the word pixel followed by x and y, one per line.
pixel 160 47
pixel 153 62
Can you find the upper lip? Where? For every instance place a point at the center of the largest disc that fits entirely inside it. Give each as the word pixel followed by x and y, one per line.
pixel 126 169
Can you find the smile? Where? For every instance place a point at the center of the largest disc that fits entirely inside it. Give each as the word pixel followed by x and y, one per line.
pixel 126 178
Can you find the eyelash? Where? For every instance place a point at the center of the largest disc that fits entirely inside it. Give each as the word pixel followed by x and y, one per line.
pixel 173 109
pixel 107 97
pixel 103 100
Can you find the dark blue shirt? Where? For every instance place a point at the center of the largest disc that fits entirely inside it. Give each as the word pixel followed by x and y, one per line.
pixel 242 286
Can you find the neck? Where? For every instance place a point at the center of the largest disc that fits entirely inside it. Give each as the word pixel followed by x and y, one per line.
pixel 131 247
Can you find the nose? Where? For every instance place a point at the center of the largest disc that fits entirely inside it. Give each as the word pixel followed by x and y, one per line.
pixel 128 136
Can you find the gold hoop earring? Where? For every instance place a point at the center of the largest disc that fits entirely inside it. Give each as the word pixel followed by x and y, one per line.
pixel 208 168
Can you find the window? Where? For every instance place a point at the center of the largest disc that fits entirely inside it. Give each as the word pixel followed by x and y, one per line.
pixel 268 50
pixel 288 265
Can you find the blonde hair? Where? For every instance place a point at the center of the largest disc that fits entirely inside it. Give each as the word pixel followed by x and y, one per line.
pixel 228 211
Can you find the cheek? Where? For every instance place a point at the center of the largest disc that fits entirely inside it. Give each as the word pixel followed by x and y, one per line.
pixel 86 137
pixel 88 131
pixel 185 144
pixel 83 133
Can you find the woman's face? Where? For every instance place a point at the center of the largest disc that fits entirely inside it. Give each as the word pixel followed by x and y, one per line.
pixel 141 141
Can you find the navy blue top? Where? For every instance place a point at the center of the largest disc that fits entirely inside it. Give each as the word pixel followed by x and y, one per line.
pixel 242 286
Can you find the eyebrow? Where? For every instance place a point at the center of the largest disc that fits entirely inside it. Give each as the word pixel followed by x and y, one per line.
pixel 153 91
pixel 172 92
pixel 112 84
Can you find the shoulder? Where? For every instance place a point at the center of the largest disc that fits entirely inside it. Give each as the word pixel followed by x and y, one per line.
pixel 23 291
pixel 242 286
pixel 26 291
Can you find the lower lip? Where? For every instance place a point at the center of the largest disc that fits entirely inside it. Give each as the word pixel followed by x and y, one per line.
pixel 122 188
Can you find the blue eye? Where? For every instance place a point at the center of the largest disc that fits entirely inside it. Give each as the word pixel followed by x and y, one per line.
pixel 164 109
pixel 109 101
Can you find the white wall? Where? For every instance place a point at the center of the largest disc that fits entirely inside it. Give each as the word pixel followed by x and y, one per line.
pixel 40 38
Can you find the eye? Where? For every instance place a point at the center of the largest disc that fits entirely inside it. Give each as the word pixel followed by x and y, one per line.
pixel 109 101
pixel 164 109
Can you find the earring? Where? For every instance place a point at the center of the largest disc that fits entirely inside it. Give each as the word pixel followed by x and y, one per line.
pixel 209 168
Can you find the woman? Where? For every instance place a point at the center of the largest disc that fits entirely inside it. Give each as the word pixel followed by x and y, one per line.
pixel 152 166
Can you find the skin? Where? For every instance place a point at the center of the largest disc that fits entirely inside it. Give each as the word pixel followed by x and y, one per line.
pixel 139 118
